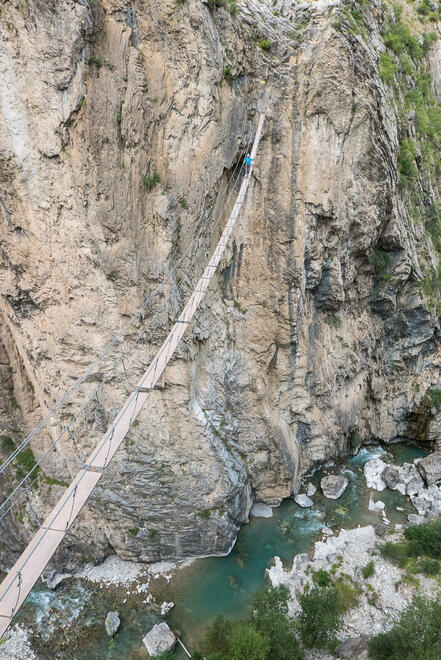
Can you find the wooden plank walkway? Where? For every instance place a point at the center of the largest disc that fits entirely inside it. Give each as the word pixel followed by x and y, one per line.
pixel 26 571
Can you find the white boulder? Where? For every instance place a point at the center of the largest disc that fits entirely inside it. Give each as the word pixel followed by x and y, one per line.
pixel 311 490
pixel 303 500
pixel 166 607
pixel 261 510
pixel 112 623
pixel 373 470
pixel 159 639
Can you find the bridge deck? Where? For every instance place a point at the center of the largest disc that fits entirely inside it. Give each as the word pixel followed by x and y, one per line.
pixel 26 571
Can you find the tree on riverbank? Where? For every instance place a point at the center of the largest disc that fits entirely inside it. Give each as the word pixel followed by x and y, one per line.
pixel 268 633
pixel 415 636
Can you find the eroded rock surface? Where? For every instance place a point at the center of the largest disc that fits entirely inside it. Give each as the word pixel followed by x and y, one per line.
pixel 119 129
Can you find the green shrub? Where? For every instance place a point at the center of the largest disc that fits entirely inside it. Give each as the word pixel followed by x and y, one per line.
pixel 244 641
pixel 228 74
pixel 387 68
pixel 7 443
pixel 134 531
pixel 151 180
pixel 320 618
pixel 322 578
pixel 435 398
pixel 265 45
pixel 215 640
pixel 425 539
pixel 406 162
pixel 429 567
pixel 380 260
pixel 396 553
pixel 368 570
pixel 415 636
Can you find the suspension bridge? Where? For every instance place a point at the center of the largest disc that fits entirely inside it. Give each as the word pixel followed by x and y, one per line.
pixel 23 575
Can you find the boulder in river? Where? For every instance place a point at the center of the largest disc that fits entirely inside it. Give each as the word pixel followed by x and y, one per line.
pixel 166 608
pixel 112 623
pixel 391 476
pixel 311 490
pixel 373 470
pixel 333 486
pixel 261 510
pixel 430 468
pixel 303 500
pixel 159 639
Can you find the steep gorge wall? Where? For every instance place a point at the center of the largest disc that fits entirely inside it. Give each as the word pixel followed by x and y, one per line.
pixel 298 353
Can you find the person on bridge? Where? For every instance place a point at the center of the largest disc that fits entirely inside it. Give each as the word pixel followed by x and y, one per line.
pixel 248 162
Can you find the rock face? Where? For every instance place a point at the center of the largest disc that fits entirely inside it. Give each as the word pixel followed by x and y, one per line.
pixel 430 468
pixel 333 486
pixel 118 133
pixel 352 648
pixel 112 623
pixel 159 639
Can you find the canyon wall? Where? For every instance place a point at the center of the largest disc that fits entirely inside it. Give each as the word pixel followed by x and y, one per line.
pixel 121 122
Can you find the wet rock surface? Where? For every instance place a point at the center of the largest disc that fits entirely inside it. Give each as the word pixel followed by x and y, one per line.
pixel 112 623
pixel 430 468
pixel 333 486
pixel 303 500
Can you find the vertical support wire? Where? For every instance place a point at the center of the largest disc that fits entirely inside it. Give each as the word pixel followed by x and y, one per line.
pixel 109 447
pixel 18 594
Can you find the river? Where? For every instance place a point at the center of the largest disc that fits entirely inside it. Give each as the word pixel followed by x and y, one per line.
pixel 70 618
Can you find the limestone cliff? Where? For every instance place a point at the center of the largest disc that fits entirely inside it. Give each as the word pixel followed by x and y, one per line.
pixel 120 123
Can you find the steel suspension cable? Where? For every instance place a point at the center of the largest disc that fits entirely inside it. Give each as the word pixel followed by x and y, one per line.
pixel 100 387
pixel 115 340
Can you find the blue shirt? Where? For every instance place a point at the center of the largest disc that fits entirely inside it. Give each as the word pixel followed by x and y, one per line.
pixel 248 160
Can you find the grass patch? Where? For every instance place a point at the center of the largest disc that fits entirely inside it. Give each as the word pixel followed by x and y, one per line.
pixel 151 180
pixel 348 595
pixel 396 553
pixel 368 571
pixel 435 398
pixel 265 45
pixel 333 320
pixel 204 515
pixel 154 535
pixel 134 531
pixel 7 443
pixel 429 567
pixel 380 260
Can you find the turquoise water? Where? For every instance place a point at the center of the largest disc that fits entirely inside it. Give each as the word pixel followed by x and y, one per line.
pixel 215 585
